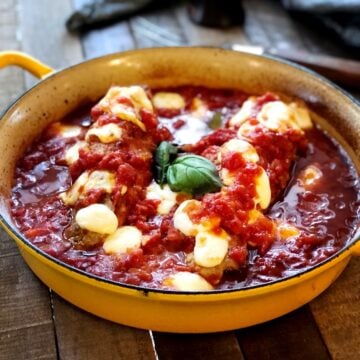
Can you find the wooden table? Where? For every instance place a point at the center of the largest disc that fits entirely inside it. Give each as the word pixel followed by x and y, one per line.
pixel 35 323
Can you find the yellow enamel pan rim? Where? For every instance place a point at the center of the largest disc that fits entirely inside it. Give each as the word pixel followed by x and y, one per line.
pixel 346 252
pixel 41 70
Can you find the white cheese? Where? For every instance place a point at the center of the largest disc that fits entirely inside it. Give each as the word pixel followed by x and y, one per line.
pixel 165 195
pixel 66 131
pixel 247 151
pixel 168 100
pixel 226 176
pixel 182 220
pixel 70 196
pixel 246 129
pixel 186 281
pixel 301 116
pixel 263 190
pixel 244 113
pixel 72 154
pixel 277 116
pixel 210 247
pixel 100 179
pixel 97 218
pixel 137 98
pixel 124 239
pixel 106 134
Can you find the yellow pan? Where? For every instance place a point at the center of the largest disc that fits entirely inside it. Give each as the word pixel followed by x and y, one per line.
pixel 61 92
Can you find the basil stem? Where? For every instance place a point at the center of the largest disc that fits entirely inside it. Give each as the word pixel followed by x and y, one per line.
pixel 163 156
pixel 193 174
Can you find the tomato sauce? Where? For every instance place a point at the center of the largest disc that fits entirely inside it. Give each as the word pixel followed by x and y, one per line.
pixel 325 213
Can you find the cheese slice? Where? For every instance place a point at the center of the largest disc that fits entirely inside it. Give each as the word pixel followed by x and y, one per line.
pixel 165 195
pixel 187 281
pixel 123 240
pixel 168 100
pixel 210 247
pixel 106 134
pixel 97 218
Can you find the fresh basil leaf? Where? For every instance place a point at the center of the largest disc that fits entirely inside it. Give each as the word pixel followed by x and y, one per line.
pixel 215 121
pixel 193 174
pixel 163 156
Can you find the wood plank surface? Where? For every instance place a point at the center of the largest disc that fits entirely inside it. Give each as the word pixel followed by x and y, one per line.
pixel 26 328
pixel 337 312
pixel 218 346
pixel 293 337
pixel 85 336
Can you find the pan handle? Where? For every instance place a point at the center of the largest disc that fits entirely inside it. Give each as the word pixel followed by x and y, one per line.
pixel 26 62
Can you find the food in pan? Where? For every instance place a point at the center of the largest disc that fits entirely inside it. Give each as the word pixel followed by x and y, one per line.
pixel 188 188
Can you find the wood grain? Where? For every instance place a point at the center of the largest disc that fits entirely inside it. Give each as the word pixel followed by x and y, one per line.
pixel 44 35
pixel 292 337
pixel 25 312
pixel 219 346
pixel 84 336
pixel 113 38
pixel 337 312
pixel 26 329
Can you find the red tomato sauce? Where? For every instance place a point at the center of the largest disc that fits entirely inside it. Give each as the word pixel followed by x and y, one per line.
pixel 327 215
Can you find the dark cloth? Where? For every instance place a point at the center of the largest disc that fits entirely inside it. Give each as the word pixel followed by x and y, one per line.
pixel 340 18
pixel 104 12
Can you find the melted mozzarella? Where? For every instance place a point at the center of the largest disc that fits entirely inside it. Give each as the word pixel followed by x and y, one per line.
pixel 247 151
pixel 278 116
pixel 97 218
pixel 301 116
pixel 186 281
pixel 70 196
pixel 263 190
pixel 100 179
pixel 137 98
pixel 72 154
pixel 165 195
pixel 182 220
pixel 124 239
pixel 244 114
pixel 168 100
pixel 66 131
pixel 106 134
pixel 210 247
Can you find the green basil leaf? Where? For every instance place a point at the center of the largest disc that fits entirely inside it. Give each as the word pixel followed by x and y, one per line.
pixel 193 174
pixel 163 156
pixel 215 121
